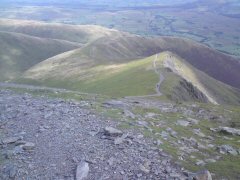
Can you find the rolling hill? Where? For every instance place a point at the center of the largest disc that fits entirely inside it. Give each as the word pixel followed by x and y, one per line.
pixel 81 34
pixel 19 52
pixel 182 82
pixel 116 63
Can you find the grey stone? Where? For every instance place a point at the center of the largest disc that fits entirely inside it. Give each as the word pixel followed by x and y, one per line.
pixel 172 132
pixel 128 113
pixel 193 121
pixel 144 169
pixel 175 175
pixel 82 171
pixel 111 161
pixel 199 133
pixel 158 142
pixel 202 175
pixel 200 163
pixel 183 123
pixel 118 140
pixel 93 133
pixel 210 160
pixel 115 103
pixel 231 131
pixel 223 149
pixel 110 131
pixel 11 140
pixel 150 115
pixel 28 146
pixel 11 170
pixel 18 143
pixel 17 150
pixel 164 134
pixel 214 129
pixel 143 123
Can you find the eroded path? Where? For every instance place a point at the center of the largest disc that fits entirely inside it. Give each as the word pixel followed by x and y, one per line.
pixel 45 138
pixel 158 85
pixel 161 77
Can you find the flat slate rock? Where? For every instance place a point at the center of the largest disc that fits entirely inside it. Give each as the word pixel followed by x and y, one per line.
pixel 82 171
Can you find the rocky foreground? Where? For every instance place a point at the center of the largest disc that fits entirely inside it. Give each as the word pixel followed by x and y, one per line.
pixel 46 138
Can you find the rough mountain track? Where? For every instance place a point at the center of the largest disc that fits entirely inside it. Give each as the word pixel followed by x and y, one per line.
pixel 161 77
pixel 158 85
pixel 45 138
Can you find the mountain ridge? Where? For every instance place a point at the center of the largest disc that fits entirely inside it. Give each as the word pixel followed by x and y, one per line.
pixel 103 50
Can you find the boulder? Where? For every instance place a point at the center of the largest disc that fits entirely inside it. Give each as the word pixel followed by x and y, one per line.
pixel 28 146
pixel 224 149
pixel 11 140
pixel 231 131
pixel 183 123
pixel 110 131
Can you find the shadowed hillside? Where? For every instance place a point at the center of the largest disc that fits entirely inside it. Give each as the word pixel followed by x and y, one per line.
pixel 19 52
pixel 220 66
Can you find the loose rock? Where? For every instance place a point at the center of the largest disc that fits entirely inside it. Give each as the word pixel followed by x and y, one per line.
pixel 144 169
pixel 110 131
pixel 128 113
pixel 28 146
pixel 82 171
pixel 11 140
pixel 224 149
pixel 231 131
pixel 183 123
pixel 202 175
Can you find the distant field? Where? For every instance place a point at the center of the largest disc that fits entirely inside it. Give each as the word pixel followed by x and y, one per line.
pixel 214 25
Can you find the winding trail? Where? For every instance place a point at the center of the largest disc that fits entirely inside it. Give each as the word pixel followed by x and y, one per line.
pixel 157 88
pixel 161 77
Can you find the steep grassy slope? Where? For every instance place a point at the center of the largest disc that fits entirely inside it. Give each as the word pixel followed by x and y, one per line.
pixel 113 63
pixel 75 33
pixel 19 52
pixel 113 46
pixel 125 47
pixel 134 78
pixel 216 64
pixel 195 83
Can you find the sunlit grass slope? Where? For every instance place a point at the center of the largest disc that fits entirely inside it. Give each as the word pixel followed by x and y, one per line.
pixel 133 78
pixel 182 82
